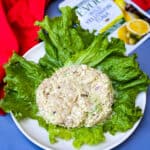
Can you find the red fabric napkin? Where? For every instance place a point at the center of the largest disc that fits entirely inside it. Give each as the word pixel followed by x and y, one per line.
pixel 144 4
pixel 17 30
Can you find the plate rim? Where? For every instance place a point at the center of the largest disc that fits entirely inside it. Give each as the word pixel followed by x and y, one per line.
pixel 18 125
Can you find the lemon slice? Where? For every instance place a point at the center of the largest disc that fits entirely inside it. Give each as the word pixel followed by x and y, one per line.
pixel 123 33
pixel 138 27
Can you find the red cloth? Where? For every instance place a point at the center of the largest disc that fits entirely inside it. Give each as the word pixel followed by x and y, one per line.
pixel 144 4
pixel 17 30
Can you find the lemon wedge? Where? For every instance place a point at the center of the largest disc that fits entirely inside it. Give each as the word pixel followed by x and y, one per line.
pixel 138 27
pixel 123 33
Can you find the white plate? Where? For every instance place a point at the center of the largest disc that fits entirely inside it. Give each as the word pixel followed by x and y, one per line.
pixel 39 136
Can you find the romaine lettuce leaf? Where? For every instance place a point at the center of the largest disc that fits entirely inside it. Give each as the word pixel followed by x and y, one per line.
pixel 80 136
pixel 22 79
pixel 98 50
pixel 63 34
pixel 121 68
pixel 125 113
pixel 128 81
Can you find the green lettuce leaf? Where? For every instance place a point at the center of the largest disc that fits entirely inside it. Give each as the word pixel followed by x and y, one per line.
pixel 125 113
pixel 98 50
pixel 50 61
pixel 128 81
pixel 121 68
pixel 62 33
pixel 91 136
pixel 22 79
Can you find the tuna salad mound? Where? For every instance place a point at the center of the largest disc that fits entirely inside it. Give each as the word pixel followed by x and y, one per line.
pixel 75 96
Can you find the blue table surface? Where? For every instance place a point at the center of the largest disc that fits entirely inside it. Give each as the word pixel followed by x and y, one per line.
pixel 12 138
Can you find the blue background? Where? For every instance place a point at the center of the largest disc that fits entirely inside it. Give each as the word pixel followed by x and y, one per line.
pixel 11 138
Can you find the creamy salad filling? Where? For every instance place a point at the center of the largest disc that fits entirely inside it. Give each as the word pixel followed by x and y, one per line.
pixel 75 96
